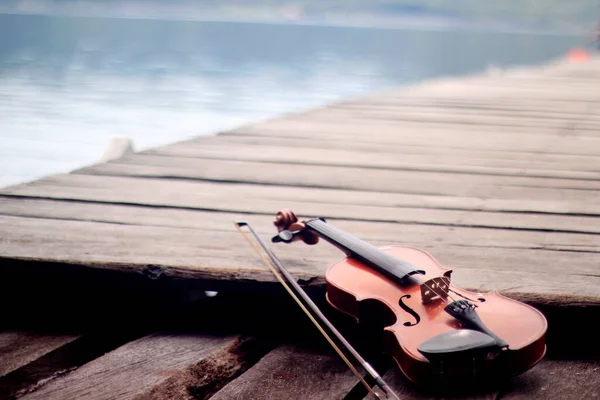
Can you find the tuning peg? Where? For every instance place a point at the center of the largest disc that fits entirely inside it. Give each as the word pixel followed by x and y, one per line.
pixel 285 236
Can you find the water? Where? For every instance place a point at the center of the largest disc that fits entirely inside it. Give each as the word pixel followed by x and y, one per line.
pixel 68 85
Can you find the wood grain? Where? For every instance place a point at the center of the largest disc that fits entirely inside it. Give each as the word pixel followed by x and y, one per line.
pixel 334 203
pixel 138 367
pixel 560 140
pixel 417 234
pixel 363 145
pixel 421 159
pixel 556 379
pixel 550 379
pixel 18 348
pixel 289 372
pixel 440 182
pixel 408 391
pixel 223 255
pixel 36 357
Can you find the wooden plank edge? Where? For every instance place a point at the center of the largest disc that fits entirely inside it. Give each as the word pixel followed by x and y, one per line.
pixel 292 372
pixel 205 378
pixel 20 347
pixel 164 365
pixel 61 361
pixel 158 278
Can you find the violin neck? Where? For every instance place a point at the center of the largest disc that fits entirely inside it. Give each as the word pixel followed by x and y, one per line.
pixel 393 268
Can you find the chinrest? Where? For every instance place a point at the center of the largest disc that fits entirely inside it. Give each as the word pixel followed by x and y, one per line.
pixel 458 343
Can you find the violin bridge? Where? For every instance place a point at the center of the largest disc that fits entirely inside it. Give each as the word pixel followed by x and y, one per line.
pixel 435 289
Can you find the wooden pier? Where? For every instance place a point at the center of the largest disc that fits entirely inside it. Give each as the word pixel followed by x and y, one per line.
pixel 496 175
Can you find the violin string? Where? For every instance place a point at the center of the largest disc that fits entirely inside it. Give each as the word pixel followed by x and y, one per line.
pixel 310 316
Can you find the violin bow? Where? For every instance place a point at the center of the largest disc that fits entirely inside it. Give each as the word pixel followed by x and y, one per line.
pixel 384 387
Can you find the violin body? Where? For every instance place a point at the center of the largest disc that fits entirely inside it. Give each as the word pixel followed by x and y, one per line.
pixel 435 331
pixel 408 322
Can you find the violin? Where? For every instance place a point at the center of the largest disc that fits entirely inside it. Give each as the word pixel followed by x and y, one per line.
pixel 435 331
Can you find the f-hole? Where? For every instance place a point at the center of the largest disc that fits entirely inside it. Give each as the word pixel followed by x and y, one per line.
pixel 409 310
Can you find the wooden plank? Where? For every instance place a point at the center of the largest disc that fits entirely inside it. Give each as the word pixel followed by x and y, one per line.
pixel 503 108
pixel 318 155
pixel 585 123
pixel 550 379
pixel 428 117
pixel 435 183
pixel 391 207
pixel 19 348
pixel 150 367
pixel 433 132
pixel 224 256
pixel 376 180
pixel 557 111
pixel 289 372
pixel 36 358
pixel 556 379
pixel 537 160
pixel 452 91
pixel 408 391
pixel 394 134
pixel 535 85
pixel 526 106
pixel 406 167
pixel 394 97
pixel 495 106
pixel 411 234
pixel 429 120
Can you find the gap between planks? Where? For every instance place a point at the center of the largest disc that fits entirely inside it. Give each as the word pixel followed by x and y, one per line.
pixel 360 205
pixel 416 234
pixel 474 164
pixel 352 178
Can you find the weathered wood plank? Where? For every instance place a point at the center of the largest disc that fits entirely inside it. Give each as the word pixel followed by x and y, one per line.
pixel 18 348
pixel 434 132
pixel 437 182
pixel 455 163
pixel 492 106
pixel 548 159
pixel 428 117
pixel 149 368
pixel 470 105
pixel 556 379
pixel 412 234
pixel 444 90
pixel 395 134
pixel 196 254
pixel 526 87
pixel 292 373
pixel 550 379
pixel 408 391
pixel 43 357
pixel 391 207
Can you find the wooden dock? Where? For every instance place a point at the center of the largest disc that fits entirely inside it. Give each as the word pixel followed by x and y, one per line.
pixel 497 176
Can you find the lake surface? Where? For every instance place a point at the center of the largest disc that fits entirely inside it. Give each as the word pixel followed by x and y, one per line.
pixel 68 84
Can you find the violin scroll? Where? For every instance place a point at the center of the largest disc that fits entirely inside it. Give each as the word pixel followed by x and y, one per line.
pixel 284 219
pixel 291 230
